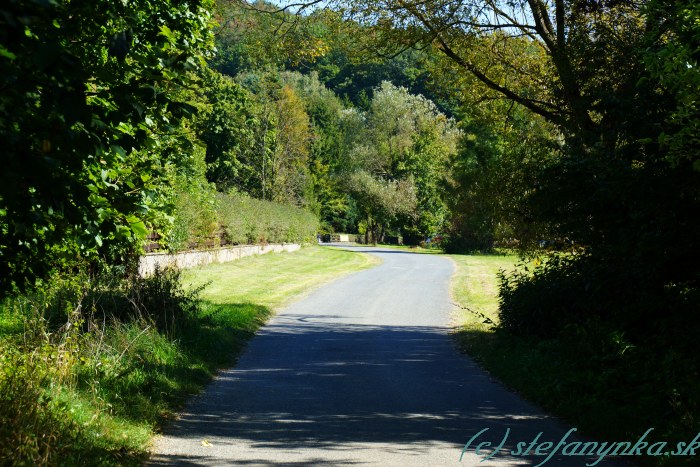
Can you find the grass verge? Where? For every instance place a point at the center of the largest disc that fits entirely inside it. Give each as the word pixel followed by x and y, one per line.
pixel 88 371
pixel 273 280
pixel 588 388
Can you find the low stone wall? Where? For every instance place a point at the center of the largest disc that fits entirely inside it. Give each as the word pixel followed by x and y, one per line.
pixel 190 259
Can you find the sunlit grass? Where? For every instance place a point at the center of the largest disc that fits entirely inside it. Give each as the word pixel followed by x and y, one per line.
pixel 273 280
pixel 474 287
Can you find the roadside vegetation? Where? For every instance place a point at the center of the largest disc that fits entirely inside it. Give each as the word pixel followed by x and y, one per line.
pixel 609 392
pixel 566 131
pixel 90 367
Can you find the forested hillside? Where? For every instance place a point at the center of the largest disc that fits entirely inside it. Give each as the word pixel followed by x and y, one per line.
pixel 566 131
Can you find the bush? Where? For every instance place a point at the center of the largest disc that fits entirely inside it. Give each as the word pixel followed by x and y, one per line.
pixel 545 300
pixel 213 219
pixel 627 339
pixel 195 217
pixel 160 299
pixel 567 290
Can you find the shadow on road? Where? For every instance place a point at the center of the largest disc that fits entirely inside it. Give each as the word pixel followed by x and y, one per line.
pixel 401 388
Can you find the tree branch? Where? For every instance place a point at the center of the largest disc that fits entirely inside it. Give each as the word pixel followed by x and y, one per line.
pixel 561 35
pixel 445 48
pixel 542 23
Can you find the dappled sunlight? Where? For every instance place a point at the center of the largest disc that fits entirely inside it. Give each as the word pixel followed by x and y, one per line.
pixel 383 397
pixel 362 371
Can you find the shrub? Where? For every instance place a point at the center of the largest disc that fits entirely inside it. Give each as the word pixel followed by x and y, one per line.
pixel 206 218
pixel 160 299
pixel 628 338
pixel 249 221
pixel 545 300
pixel 195 215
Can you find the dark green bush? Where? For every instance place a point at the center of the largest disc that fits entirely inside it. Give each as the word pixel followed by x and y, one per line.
pixel 542 302
pixel 629 341
pixel 162 300
pixel 567 290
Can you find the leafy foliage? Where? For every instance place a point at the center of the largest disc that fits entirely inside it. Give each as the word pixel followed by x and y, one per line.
pixel 381 201
pixel 88 95
pixel 404 143
pixel 247 220
pixel 493 176
pixel 226 126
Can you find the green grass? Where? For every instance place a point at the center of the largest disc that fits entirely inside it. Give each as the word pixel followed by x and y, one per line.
pixel 475 288
pixel 273 280
pixel 96 392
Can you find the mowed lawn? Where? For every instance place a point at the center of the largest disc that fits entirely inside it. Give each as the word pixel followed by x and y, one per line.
pixel 274 279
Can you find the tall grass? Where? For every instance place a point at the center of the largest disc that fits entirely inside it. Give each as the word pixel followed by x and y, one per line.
pixel 90 364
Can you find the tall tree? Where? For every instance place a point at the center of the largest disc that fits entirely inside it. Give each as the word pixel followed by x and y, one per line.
pixel 226 124
pixel 408 138
pixel 289 172
pixel 381 201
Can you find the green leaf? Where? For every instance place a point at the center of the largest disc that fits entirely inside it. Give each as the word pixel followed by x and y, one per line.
pixel 137 226
pixel 6 53
pixel 167 32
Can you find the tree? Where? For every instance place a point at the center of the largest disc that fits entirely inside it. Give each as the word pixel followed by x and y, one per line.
pixel 226 125
pixel 674 64
pixel 409 139
pixel 381 201
pixel 493 175
pixel 259 37
pixel 327 151
pixel 87 97
pixel 289 174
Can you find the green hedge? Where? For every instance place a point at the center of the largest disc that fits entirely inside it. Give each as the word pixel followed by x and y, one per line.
pixel 245 220
pixel 205 219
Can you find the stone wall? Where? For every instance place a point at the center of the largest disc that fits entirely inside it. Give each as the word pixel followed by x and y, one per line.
pixel 190 259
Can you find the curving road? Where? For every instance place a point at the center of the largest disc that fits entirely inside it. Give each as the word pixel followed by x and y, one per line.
pixel 361 372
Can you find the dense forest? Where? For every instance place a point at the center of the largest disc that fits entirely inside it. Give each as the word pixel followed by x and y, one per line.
pixel 567 131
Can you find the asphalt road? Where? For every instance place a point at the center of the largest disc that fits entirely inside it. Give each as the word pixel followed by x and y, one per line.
pixel 362 372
